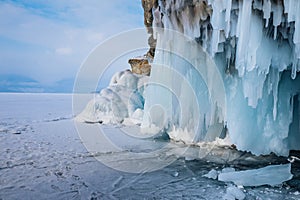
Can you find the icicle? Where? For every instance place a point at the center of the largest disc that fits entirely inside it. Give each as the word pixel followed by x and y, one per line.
pixel 296 38
pixel 258 5
pixel 274 79
pixel 227 18
pixel 267 11
pixel 294 69
pixel 243 36
pixel 290 9
pixel 218 24
pixel 277 17
pixel 286 4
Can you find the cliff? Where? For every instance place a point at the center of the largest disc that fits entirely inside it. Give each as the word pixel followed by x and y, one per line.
pixel 148 6
pixel 255 46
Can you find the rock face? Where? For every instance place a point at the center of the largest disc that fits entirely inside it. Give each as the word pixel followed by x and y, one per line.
pixel 148 5
pixel 140 66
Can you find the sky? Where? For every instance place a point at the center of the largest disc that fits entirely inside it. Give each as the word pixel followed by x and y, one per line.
pixel 44 42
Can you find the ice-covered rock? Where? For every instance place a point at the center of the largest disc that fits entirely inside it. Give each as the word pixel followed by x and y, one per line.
pixel 123 98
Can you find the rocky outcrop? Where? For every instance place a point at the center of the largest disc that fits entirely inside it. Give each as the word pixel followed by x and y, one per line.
pixel 140 66
pixel 148 5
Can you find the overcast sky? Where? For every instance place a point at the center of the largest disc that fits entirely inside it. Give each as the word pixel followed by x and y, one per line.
pixel 47 40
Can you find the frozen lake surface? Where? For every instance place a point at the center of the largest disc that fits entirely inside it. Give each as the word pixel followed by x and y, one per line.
pixel 43 157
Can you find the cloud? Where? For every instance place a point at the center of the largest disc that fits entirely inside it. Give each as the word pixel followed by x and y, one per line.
pixel 48 40
pixel 64 51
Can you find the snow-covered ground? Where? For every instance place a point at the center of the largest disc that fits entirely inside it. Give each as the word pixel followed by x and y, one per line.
pixel 43 157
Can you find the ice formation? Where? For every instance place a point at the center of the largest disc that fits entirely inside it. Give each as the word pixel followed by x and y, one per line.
pixel 233 193
pixel 270 175
pixel 213 174
pixel 255 45
pixel 122 99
